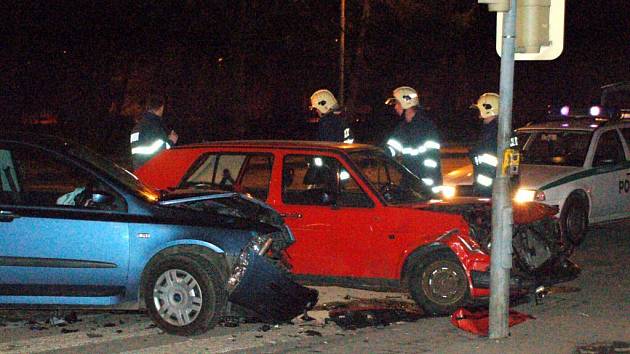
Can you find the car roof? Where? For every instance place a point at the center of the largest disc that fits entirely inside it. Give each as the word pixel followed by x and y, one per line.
pixel 279 145
pixel 582 124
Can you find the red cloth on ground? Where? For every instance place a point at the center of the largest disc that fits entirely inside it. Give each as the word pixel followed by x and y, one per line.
pixel 477 322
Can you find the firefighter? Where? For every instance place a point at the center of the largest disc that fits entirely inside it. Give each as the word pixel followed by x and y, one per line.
pixel 484 154
pixel 148 136
pixel 332 126
pixel 415 139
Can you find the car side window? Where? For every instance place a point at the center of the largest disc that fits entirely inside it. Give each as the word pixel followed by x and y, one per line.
pixel 351 194
pixel 609 149
pixel 202 171
pixel 320 180
pixel 256 176
pixel 215 170
pixel 380 173
pixel 228 168
pixel 35 177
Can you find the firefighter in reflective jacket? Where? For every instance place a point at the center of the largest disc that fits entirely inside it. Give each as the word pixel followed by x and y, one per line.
pixel 148 136
pixel 332 126
pixel 415 139
pixel 484 154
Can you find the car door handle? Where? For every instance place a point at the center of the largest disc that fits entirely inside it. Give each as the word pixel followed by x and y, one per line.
pixel 7 216
pixel 291 215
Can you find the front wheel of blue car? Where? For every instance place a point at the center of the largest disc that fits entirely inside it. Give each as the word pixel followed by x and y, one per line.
pixel 184 294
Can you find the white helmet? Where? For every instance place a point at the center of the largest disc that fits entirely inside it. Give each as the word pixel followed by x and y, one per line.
pixel 487 104
pixel 324 101
pixel 407 97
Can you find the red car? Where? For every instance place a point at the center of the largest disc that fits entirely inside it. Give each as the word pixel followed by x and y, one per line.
pixel 360 219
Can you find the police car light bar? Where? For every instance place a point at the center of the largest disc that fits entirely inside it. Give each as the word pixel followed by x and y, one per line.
pixel 566 112
pixel 595 111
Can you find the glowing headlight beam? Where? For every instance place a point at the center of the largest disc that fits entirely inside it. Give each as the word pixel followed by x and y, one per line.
pixel 524 195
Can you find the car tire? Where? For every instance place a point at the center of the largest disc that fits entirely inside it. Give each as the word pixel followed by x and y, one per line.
pixel 439 284
pixel 184 294
pixel 574 221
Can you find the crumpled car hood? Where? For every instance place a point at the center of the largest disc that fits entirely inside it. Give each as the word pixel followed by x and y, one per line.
pixel 232 204
pixel 523 213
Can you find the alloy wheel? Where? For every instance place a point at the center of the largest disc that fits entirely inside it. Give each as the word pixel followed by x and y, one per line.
pixel 177 297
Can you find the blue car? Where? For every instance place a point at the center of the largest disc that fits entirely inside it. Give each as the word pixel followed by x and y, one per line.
pixel 79 231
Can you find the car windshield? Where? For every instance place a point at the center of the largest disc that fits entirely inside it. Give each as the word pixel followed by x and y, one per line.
pixel 557 148
pixel 113 170
pixel 393 182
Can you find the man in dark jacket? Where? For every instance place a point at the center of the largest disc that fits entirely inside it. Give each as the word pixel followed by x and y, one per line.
pixel 484 154
pixel 415 139
pixel 148 136
pixel 332 127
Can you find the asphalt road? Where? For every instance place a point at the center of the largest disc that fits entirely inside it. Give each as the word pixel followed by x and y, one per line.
pixel 595 308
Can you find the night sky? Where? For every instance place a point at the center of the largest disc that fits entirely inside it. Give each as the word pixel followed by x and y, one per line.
pixel 245 69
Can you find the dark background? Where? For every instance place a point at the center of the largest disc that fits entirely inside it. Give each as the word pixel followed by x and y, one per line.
pixel 246 68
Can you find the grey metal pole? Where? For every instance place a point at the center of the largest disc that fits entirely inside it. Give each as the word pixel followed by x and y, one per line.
pixel 501 254
pixel 342 53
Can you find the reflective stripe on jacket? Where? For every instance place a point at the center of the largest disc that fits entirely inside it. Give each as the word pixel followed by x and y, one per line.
pixel 418 143
pixel 148 137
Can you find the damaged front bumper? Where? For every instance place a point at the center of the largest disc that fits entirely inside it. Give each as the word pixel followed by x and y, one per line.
pixel 518 284
pixel 261 286
pixel 550 274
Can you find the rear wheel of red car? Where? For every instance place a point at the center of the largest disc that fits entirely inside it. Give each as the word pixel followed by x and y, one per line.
pixel 184 295
pixel 439 284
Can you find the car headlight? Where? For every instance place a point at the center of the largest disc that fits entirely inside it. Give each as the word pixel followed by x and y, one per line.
pixel 447 191
pixel 258 245
pixel 529 195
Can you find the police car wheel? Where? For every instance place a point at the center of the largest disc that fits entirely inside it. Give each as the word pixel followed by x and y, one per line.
pixel 184 294
pixel 439 284
pixel 574 220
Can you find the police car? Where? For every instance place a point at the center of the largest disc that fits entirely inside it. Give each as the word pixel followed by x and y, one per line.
pixel 580 164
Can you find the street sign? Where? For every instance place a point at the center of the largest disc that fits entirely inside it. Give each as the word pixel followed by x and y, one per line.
pixel 539 29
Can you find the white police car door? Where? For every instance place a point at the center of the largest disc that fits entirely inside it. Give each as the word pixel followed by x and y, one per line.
pixel 51 244
pixel 609 168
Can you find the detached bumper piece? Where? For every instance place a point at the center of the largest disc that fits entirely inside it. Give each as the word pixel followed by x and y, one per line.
pixel 258 285
pixel 554 272
pixel 481 280
pixel 558 271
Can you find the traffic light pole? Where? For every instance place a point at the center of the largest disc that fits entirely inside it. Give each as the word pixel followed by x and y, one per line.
pixel 342 53
pixel 501 254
